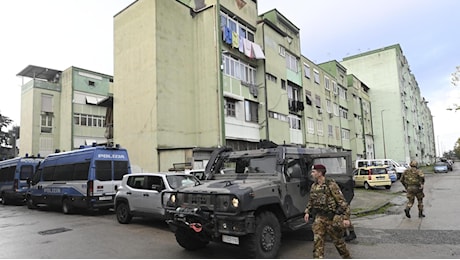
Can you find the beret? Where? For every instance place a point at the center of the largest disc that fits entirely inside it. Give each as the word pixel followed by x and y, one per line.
pixel 318 167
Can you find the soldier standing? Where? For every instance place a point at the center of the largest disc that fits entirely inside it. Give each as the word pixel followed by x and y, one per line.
pixel 413 180
pixel 331 212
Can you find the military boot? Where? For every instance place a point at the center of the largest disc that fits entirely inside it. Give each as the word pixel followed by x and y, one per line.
pixel 407 212
pixel 350 236
pixel 420 214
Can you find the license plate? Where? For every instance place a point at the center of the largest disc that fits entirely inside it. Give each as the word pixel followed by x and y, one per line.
pixel 105 198
pixel 231 239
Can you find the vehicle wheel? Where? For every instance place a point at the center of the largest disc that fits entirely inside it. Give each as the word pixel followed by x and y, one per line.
pixel 66 207
pixel 388 187
pixel 366 186
pixel 123 214
pixel 266 240
pixel 30 203
pixel 189 240
pixel 5 201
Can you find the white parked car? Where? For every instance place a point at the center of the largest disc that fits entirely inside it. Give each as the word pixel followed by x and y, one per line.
pixel 140 193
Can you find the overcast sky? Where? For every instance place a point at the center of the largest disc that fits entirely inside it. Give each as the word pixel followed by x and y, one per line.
pixel 61 33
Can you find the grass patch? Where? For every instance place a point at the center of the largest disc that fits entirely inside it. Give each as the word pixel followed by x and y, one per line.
pixel 380 210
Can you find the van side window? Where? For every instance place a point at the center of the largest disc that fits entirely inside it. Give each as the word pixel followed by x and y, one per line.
pixel 81 171
pixel 48 173
pixel 26 172
pixel 104 170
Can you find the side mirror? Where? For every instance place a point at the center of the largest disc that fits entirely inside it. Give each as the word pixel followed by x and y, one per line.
pixel 157 187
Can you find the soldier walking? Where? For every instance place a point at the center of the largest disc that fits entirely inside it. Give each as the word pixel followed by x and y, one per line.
pixel 331 213
pixel 413 180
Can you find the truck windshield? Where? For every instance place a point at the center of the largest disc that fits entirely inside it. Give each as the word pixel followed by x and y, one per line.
pixel 248 165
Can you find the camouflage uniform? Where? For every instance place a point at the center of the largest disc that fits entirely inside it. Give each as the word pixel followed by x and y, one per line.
pixel 413 180
pixel 329 207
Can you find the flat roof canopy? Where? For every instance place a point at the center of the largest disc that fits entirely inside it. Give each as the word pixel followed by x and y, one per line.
pixel 37 72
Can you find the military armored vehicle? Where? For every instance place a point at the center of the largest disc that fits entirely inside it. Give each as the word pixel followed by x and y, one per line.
pixel 250 197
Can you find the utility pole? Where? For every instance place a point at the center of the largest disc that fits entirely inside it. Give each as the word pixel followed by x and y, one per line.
pixel 383 135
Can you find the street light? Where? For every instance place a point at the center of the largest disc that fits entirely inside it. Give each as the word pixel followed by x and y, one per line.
pixel 383 135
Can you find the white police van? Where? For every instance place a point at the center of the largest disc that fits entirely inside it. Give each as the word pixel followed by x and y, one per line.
pixel 14 174
pixel 86 178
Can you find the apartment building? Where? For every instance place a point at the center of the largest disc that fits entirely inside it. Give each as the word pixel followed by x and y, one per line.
pixel 219 74
pixel 405 131
pixel 60 111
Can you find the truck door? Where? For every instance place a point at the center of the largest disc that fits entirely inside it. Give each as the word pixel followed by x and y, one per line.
pixel 297 185
pixel 338 167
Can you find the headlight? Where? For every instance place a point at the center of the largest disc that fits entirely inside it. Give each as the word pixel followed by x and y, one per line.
pixel 171 200
pixel 227 203
pixel 235 202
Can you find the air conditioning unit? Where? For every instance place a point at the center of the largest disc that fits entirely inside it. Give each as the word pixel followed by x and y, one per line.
pixel 320 111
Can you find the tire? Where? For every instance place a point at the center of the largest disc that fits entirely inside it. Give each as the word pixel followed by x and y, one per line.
pixel 30 203
pixel 66 206
pixel 366 186
pixel 189 240
pixel 388 187
pixel 266 240
pixel 123 213
pixel 5 201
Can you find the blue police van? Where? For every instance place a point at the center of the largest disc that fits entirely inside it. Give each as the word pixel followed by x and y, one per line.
pixel 86 178
pixel 14 174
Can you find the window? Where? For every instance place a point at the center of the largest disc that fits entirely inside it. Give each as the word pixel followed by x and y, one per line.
pixel 335 88
pixel 336 109
pixel 282 51
pixel 46 122
pixel 330 131
pixel 47 103
pixel 308 97
pixel 251 111
pixel 230 107
pixel 120 168
pixel 342 93
pixel 310 126
pixel 294 122
pixel 319 127
pixel 234 26
pixel 278 116
pixel 318 101
pixel 326 83
pixel 307 71
pixel 104 170
pixel 89 120
pixel 238 69
pixel 345 134
pixel 316 74
pixel 295 103
pixel 270 77
pixel 343 112
pixel 328 106
pixel 291 62
pixel 283 84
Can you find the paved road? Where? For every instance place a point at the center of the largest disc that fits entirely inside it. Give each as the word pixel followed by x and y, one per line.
pixel 51 234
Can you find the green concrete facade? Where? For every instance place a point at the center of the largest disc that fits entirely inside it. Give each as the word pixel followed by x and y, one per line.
pixel 49 107
pixel 405 131
pixel 181 85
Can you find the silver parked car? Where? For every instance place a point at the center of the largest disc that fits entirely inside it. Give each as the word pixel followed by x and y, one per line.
pixel 440 167
pixel 140 193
